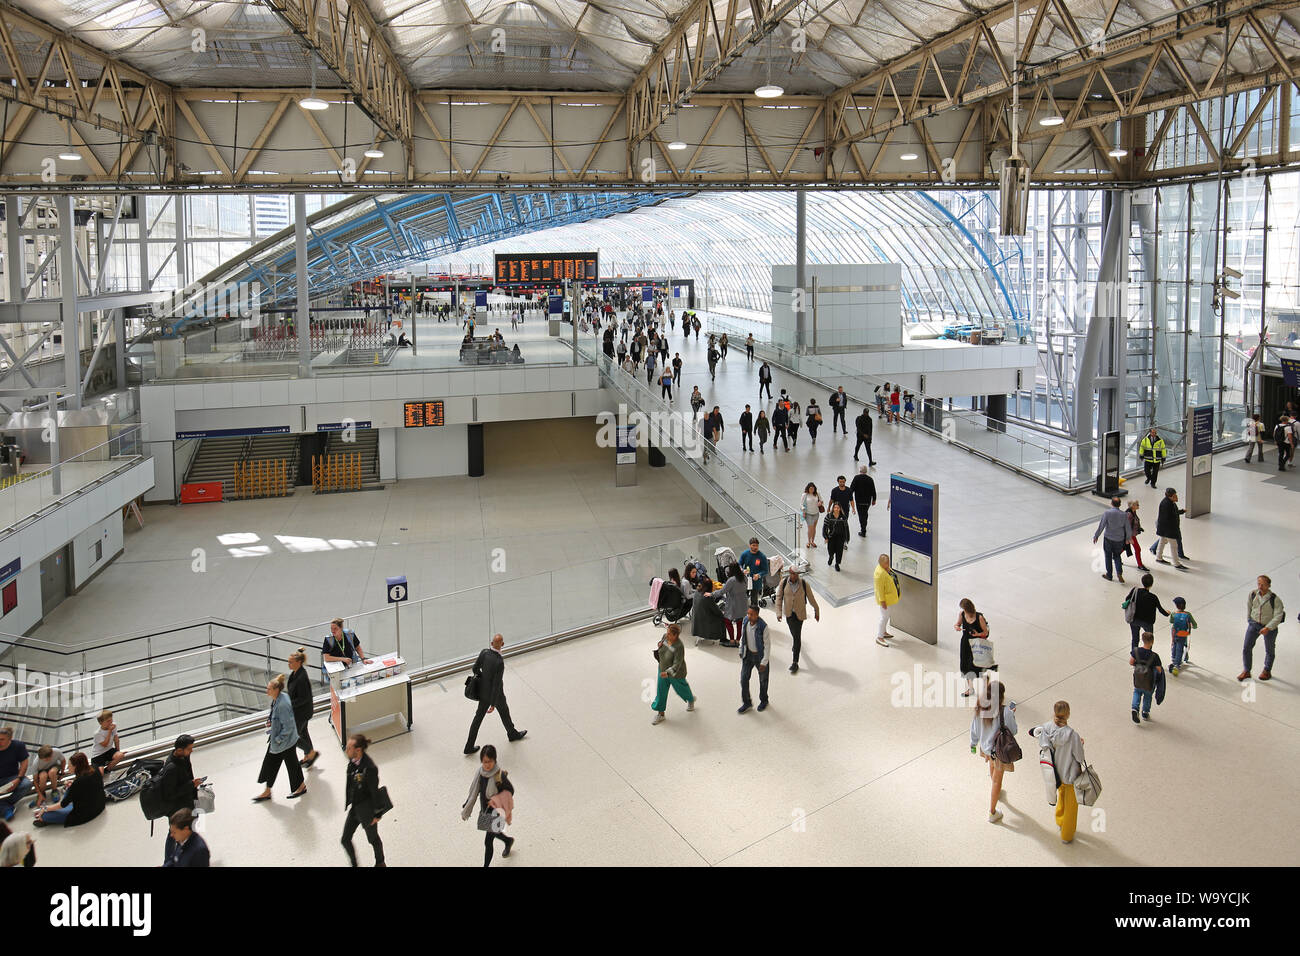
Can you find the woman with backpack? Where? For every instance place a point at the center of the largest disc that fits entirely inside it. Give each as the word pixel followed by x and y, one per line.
pixel 814 419
pixel 1063 747
pixel 972 625
pixel 992 735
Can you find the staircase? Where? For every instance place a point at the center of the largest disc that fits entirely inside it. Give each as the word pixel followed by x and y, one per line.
pixel 276 447
pixel 215 461
pixel 366 441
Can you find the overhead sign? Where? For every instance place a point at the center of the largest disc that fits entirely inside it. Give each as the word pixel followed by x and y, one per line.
pixel 233 432
pixel 911 528
pixel 514 268
pixel 10 569
pixel 422 414
pixel 340 426
pixel 1202 439
pixel 1290 371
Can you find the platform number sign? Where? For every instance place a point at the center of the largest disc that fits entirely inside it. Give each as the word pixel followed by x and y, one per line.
pixel 397 589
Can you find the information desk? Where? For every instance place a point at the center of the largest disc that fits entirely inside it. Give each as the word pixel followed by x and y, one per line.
pixel 366 695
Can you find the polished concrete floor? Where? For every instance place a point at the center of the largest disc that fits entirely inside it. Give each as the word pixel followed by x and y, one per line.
pixel 843 768
pixel 548 502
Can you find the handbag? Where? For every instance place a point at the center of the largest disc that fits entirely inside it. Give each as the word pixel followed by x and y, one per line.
pixel 383 802
pixel 472 687
pixel 490 821
pixel 1051 782
pixel 1087 786
pixel 1130 606
pixel 818 418
pixel 655 652
pixel 981 652
pixel 1005 747
pixel 205 800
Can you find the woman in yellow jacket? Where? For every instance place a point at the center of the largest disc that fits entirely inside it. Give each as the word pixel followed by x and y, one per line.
pixel 885 582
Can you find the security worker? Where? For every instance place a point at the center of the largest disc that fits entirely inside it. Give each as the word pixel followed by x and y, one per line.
pixel 1152 453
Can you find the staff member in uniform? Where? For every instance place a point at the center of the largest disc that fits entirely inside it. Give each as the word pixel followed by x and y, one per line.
pixel 342 645
pixel 1152 452
pixel 300 696
pixel 361 799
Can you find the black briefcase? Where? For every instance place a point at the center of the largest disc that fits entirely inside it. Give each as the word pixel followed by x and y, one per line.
pixel 471 687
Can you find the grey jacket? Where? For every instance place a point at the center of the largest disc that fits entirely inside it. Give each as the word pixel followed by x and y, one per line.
pixel 1067 749
pixel 672 658
pixel 1113 525
pixel 734 599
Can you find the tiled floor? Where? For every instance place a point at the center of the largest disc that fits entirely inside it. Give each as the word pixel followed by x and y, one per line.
pixel 835 772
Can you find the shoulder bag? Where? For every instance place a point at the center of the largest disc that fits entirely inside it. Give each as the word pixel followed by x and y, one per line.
pixel 1087 787
pixel 1130 606
pixel 1005 747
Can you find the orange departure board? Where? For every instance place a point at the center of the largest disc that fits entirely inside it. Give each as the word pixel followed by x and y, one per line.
pixel 423 414
pixel 518 268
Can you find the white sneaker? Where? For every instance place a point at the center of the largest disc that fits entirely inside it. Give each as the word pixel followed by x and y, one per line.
pixel 690 704
pixel 995 817
pixel 659 719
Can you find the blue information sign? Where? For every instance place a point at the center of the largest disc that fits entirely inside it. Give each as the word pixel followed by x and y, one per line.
pixel 647 294
pixel 233 432
pixel 1202 439
pixel 626 452
pixel 1290 371
pixel 911 528
pixel 480 299
pixel 555 305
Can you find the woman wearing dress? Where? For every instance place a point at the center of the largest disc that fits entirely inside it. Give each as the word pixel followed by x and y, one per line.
pixel 300 696
pixel 835 529
pixel 488 785
pixel 812 506
pixel 971 623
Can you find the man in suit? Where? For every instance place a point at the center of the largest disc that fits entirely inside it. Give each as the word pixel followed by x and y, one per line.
pixel 490 669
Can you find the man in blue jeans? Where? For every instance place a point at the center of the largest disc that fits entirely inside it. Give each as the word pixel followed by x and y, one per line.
pixel 1264 612
pixel 1147 675
pixel 14 782
pixel 754 647
pixel 1114 527
pixel 754 564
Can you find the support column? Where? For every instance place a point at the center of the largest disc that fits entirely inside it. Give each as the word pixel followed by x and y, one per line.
pixel 68 290
pixel 182 260
pixel 15 259
pixel 119 342
pixel 52 422
pixel 303 319
pixel 800 269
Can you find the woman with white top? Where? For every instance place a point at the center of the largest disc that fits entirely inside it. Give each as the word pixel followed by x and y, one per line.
pixel 811 505
pixel 989 717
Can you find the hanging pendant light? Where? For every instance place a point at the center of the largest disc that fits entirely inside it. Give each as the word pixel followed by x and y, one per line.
pixel 313 102
pixel 68 154
pixel 678 143
pixel 769 90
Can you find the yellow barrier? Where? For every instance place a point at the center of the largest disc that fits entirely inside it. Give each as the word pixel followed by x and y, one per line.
pixel 336 472
pixel 264 478
pixel 12 480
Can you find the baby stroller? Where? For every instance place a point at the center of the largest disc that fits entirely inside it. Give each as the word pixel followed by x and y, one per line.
pixel 667 600
pixel 725 558
pixel 776 567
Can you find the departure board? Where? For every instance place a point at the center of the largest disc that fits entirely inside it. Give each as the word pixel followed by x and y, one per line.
pixel 423 414
pixel 519 268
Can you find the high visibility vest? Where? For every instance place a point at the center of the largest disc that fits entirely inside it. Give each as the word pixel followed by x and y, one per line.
pixel 1150 451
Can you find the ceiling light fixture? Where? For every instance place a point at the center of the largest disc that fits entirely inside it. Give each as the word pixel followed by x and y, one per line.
pixel 374 152
pixel 1052 119
pixel 678 143
pixel 908 157
pixel 769 90
pixel 313 102
pixel 1117 153
pixel 68 154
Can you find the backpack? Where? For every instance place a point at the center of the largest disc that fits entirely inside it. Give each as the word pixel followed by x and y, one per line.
pixel 1005 747
pixel 1272 602
pixel 1144 672
pixel 151 796
pixel 1279 433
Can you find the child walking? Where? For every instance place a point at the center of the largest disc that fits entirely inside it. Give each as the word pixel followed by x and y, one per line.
pixel 1181 624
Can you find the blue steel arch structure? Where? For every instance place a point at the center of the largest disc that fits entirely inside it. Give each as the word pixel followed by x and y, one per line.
pixel 365 236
